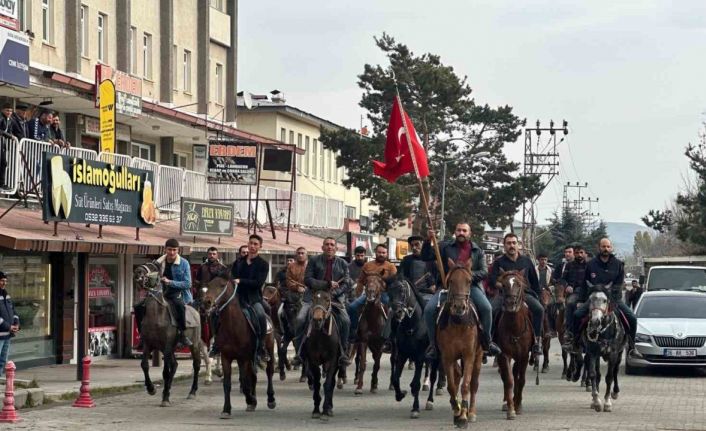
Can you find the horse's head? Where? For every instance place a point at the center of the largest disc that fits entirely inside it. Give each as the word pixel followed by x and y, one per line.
pixel 458 281
pixel 512 285
pixel 270 294
pixel 146 276
pixel 374 285
pixel 546 297
pixel 320 308
pixel 560 293
pixel 598 306
pixel 403 301
pixel 209 292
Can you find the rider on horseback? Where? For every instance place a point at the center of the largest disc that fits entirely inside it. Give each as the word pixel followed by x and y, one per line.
pixel 175 275
pixel 294 282
pixel 327 272
pixel 419 274
pixel 606 269
pixel 210 269
pixel 545 274
pixel 512 260
pixel 387 271
pixel 354 269
pixel 574 276
pixel 460 250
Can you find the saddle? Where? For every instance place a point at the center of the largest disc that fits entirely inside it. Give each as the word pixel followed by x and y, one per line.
pixel 192 317
pixel 443 318
pixel 252 320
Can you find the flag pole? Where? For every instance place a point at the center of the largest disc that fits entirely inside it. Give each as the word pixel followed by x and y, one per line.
pixel 422 193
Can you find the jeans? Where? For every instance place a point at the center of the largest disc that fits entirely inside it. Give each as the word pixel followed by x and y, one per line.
pixel 535 308
pixel 479 300
pixel 4 351
pixel 354 307
pixel 571 304
pixel 582 312
pixel 177 302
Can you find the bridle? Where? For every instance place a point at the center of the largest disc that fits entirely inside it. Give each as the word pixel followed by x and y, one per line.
pixel 147 277
pixel 403 304
pixel 598 301
pixel 513 296
pixel 463 297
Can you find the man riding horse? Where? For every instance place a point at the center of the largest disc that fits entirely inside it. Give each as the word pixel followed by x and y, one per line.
pixel 327 272
pixel 606 269
pixel 574 276
pixel 384 268
pixel 461 250
pixel 354 269
pixel 419 274
pixel 175 275
pixel 512 260
pixel 210 269
pixel 249 275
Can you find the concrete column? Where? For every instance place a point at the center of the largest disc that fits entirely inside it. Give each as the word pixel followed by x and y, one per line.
pixel 166 52
pixel 166 150
pixel 72 35
pixel 204 43
pixel 122 34
pixel 232 63
pixel 72 129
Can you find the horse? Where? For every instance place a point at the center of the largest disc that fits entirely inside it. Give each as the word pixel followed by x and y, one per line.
pixel 271 295
pixel 322 349
pixel 605 337
pixel 370 329
pixel 287 317
pixel 237 341
pixel 411 341
pixel 159 334
pixel 558 314
pixel 458 340
pixel 547 300
pixel 205 298
pixel 513 335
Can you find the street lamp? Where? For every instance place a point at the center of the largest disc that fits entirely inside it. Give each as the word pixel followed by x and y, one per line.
pixel 443 185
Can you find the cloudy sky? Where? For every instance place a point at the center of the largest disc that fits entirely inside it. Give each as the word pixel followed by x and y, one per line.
pixel 628 76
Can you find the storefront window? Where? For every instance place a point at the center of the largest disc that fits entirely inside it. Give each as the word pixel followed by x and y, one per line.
pixel 102 306
pixel 28 284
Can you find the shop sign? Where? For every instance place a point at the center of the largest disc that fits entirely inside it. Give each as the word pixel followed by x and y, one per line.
pixel 14 57
pixel 206 218
pixel 402 249
pixel 107 116
pixel 92 127
pixel 232 162
pixel 9 13
pixel 356 239
pixel 128 90
pixel 86 191
pixel 102 341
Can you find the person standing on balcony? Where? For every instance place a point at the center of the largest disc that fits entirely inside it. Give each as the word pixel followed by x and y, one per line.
pixel 55 134
pixel 38 128
pixel 19 126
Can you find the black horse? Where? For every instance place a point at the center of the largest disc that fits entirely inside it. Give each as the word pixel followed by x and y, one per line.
pixel 291 304
pixel 411 341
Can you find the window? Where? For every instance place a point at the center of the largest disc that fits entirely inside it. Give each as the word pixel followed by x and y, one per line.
pixel 180 160
pixel 329 165
pixel 314 159
pixel 186 71
pixel 101 36
pixel 305 167
pixel 335 169
pixel 283 135
pixel 133 50
pixel 147 56
pixel 142 151
pixel 175 62
pixel 300 144
pixel 23 14
pixel 219 83
pixel 217 4
pixel 47 21
pixel 84 31
pixel 291 137
pixel 322 162
pixel 350 213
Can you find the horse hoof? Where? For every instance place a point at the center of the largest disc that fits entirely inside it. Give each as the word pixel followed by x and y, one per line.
pixel 271 405
pixel 597 405
pixel 429 406
pixel 614 395
pixel 208 382
pixel 588 389
pixel 391 387
pixel 165 404
pixel 472 418
pixel 191 397
pixel 425 387
pixel 311 387
pixel 462 423
pixel 504 408
pixel 511 415
pixel 302 379
pixel 439 392
pixel 358 391
pixel 400 396
pixel 544 370
pixel 327 414
pixel 151 391
pixel 518 410
pixel 339 385
pixel 250 408
pixel 607 408
pixel 226 415
pixel 373 390
pixel 316 415
pixel 414 415
pixel 563 375
pixel 282 377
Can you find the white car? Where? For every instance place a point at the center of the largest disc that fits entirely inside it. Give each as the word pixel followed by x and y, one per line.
pixel 671 330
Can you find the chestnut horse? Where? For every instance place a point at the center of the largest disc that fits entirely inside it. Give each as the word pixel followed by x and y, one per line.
pixel 271 295
pixel 558 314
pixel 369 335
pixel 237 342
pixel 457 338
pixel 547 301
pixel 514 336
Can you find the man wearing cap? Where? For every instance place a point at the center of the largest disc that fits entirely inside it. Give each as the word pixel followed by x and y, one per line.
pixel 19 128
pixel 9 322
pixel 419 274
pixel 38 128
pixel 354 269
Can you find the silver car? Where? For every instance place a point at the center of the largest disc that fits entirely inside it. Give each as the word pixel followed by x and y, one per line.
pixel 671 330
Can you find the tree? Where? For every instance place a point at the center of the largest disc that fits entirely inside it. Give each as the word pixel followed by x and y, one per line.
pixel 487 190
pixel 564 230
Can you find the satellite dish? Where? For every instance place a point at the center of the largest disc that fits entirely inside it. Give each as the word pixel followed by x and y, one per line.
pixel 247 100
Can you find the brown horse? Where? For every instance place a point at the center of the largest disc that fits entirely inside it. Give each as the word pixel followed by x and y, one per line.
pixel 457 338
pixel 271 295
pixel 558 315
pixel 372 323
pixel 205 297
pixel 547 301
pixel 514 337
pixel 237 342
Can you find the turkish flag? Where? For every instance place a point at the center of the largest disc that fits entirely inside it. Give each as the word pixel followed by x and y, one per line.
pixel 398 159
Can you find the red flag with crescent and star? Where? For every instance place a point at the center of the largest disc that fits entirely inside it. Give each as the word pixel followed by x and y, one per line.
pixel 403 152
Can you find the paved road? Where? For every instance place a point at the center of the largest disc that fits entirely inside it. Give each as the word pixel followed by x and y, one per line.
pixel 664 400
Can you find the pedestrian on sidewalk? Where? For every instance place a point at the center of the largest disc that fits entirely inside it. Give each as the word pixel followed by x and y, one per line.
pixel 9 322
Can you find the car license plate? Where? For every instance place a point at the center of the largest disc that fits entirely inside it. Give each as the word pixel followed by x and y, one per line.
pixel 680 353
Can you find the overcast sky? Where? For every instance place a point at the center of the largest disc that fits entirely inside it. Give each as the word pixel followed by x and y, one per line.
pixel 630 77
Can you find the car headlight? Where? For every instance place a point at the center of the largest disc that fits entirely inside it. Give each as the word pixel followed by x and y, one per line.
pixel 642 338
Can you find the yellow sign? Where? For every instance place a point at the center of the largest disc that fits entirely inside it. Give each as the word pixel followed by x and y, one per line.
pixel 107 116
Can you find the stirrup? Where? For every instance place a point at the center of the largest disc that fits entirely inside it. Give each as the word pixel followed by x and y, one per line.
pixel 431 353
pixel 214 352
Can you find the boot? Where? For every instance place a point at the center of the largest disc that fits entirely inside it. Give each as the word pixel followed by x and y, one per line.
pixel 488 346
pixel 537 347
pixel 214 352
pixel 344 360
pixel 183 340
pixel 263 357
pixel 431 354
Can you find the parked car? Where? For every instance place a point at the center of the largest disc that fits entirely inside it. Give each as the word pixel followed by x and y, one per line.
pixel 671 330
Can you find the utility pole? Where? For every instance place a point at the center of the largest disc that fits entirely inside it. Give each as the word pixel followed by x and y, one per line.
pixel 569 204
pixel 542 160
pixel 576 204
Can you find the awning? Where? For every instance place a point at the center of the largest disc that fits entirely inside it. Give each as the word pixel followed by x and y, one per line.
pixel 24 230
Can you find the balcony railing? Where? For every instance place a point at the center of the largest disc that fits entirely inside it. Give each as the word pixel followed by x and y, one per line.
pixel 170 184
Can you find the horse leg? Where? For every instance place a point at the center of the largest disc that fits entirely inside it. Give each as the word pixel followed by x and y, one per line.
pixel 609 377
pixel 545 349
pixel 396 374
pixel 452 387
pixel 592 365
pixel 227 370
pixel 377 354
pixel 196 366
pixel 393 361
pixel 166 378
pixel 145 364
pixel 616 371
pixel 203 350
pixel 329 385
pixel 362 353
pixel 249 386
pixel 520 372
pixel 282 357
pixel 315 372
pixel 468 365
pixel 565 370
pixel 475 383
pixel 270 371
pixel 415 385
pixel 441 381
pixel 425 386
pixel 506 376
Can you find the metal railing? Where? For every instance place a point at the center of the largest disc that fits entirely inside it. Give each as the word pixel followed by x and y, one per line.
pixel 9 164
pixel 195 185
pixel 33 152
pixel 115 159
pixel 170 182
pixel 81 153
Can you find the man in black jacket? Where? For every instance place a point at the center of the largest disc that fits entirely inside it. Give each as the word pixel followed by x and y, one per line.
pixel 461 250
pixel 602 270
pixel 419 274
pixel 512 260
pixel 327 272
pixel 354 269
pixel 574 276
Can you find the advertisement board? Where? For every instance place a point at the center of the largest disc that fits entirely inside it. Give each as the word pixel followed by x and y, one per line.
pixel 107 116
pixel 14 57
pixel 232 162
pixel 128 90
pixel 199 217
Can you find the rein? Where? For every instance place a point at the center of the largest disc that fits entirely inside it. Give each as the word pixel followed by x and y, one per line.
pixel 327 315
pixel 223 307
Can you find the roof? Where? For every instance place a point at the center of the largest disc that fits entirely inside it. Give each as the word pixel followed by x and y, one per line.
pixel 24 229
pixel 266 105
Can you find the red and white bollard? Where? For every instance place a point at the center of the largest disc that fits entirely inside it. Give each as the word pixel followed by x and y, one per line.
pixel 84 399
pixel 9 414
